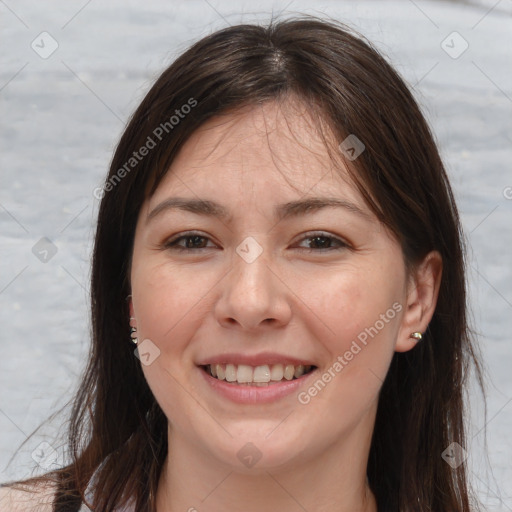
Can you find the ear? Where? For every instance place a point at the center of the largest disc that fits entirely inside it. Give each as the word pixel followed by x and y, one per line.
pixel 422 292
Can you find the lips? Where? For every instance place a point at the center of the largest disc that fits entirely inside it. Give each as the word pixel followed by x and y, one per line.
pixel 255 379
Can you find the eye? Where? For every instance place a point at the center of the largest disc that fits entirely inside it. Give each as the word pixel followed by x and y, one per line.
pixel 188 242
pixel 317 242
pixel 322 242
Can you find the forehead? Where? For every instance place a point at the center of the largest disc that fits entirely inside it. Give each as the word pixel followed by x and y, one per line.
pixel 273 149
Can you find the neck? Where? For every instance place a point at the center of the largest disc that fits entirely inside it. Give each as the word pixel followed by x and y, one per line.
pixel 332 481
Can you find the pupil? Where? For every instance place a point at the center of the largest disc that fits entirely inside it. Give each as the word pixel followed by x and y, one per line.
pixel 320 241
pixel 194 241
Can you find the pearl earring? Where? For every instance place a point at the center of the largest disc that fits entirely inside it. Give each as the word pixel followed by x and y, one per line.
pixel 133 332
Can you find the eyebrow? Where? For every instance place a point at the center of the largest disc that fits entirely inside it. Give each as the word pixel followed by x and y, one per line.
pixel 283 211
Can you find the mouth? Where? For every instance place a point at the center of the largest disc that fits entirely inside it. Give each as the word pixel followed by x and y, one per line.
pixel 258 376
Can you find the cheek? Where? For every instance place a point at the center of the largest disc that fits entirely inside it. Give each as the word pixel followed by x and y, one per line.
pixel 362 311
pixel 170 302
pixel 358 311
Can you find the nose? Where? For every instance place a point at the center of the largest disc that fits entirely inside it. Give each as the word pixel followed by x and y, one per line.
pixel 253 296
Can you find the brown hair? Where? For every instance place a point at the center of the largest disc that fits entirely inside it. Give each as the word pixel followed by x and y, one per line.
pixel 117 432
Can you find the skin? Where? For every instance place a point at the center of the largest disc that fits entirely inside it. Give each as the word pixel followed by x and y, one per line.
pixel 310 304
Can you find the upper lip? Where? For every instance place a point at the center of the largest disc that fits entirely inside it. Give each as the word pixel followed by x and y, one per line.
pixel 254 360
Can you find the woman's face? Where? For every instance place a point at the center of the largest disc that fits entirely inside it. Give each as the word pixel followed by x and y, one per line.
pixel 282 264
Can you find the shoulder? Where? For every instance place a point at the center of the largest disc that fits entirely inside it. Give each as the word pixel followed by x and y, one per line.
pixel 30 498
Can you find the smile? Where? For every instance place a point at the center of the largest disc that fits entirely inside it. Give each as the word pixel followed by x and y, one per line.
pixel 262 375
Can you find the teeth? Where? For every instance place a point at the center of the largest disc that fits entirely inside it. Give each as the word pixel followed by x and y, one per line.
pixel 289 370
pixel 230 372
pixel 259 375
pixel 244 373
pixel 277 372
pixel 298 371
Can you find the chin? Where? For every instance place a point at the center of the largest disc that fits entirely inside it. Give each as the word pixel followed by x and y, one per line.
pixel 257 452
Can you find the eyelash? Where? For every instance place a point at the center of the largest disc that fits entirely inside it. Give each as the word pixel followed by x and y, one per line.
pixel 173 243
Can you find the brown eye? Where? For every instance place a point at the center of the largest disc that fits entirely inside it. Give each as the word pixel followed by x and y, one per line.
pixel 323 242
pixel 320 242
pixel 188 242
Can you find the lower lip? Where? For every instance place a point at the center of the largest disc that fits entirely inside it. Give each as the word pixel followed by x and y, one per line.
pixel 244 394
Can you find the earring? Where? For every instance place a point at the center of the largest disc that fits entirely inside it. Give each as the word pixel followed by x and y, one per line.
pixel 416 335
pixel 133 332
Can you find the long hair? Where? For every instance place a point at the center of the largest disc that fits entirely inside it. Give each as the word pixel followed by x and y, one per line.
pixel 118 433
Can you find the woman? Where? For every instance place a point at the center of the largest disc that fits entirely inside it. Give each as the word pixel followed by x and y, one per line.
pixel 278 237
